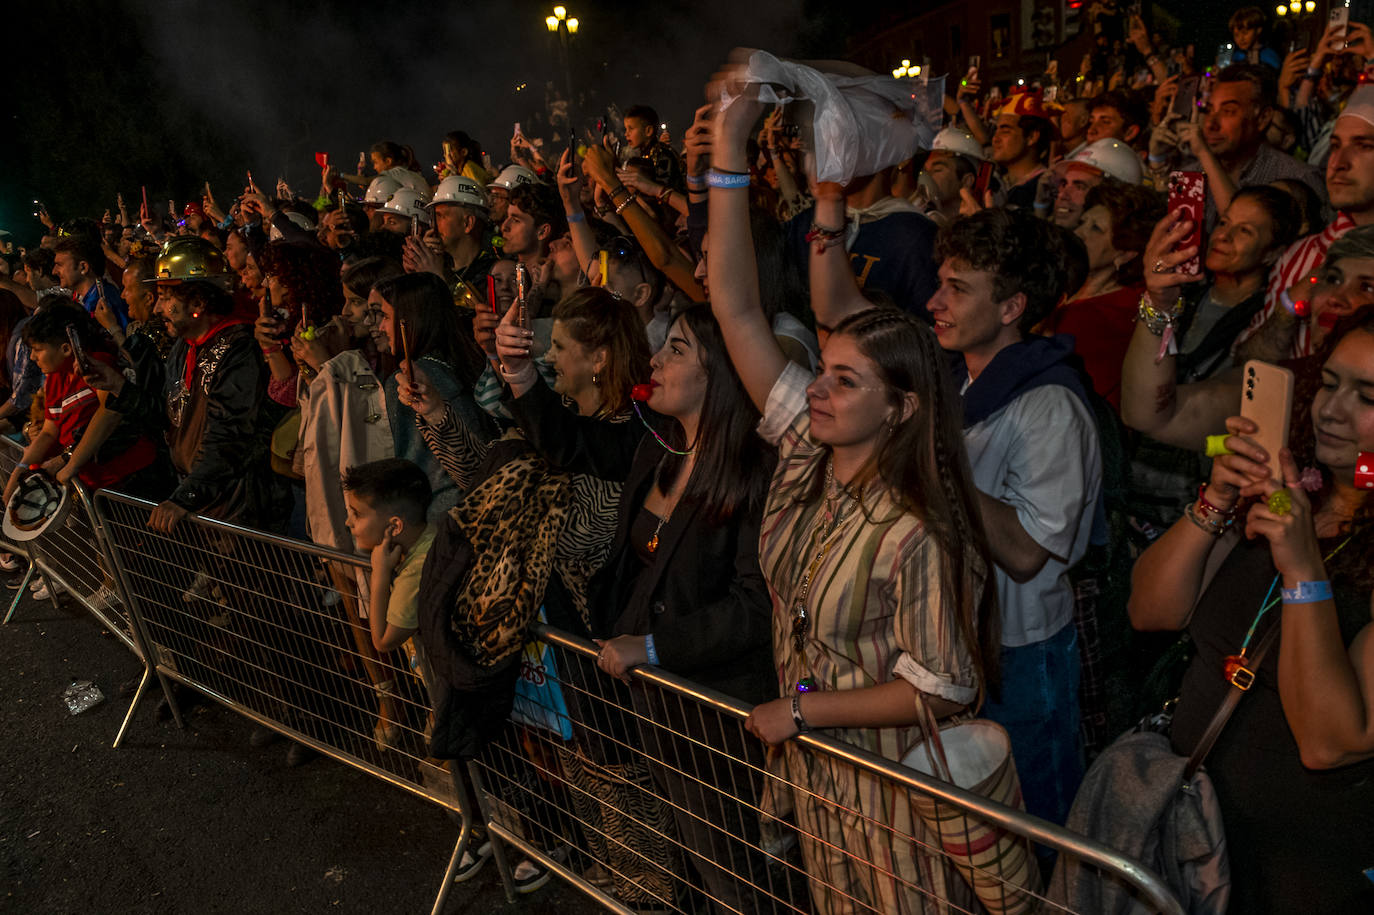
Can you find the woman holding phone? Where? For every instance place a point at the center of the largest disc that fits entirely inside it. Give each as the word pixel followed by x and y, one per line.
pixel 1294 768
pixel 414 320
pixel 681 588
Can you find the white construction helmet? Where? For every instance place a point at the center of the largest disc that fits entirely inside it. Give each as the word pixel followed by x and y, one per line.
pixel 407 178
pixel 381 189
pixel 460 190
pixel 513 175
pixel 1108 157
pixel 299 220
pixel 961 142
pixel 406 202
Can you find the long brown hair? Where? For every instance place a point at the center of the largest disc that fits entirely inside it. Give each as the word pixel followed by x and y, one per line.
pixel 925 468
pixel 596 319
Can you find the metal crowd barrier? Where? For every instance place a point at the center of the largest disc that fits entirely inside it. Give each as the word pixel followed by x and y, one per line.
pixel 256 622
pixel 647 793
pixel 72 558
pixel 650 794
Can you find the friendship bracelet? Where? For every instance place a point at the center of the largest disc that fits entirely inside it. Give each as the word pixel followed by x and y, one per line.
pixel 797 719
pixel 1208 506
pixel 1307 592
pixel 624 203
pixel 726 180
pixel 1207 526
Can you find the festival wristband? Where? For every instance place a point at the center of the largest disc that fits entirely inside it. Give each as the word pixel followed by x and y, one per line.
pixel 575 218
pixel 1307 592
pixel 696 182
pixel 649 650
pixel 1216 446
pixel 726 180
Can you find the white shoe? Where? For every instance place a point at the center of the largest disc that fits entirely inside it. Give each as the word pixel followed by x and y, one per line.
pixel 529 876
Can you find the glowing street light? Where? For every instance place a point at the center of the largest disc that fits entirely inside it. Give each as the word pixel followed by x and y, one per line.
pixel 560 18
pixel 907 70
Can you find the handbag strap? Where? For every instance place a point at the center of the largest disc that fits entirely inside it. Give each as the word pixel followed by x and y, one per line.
pixel 935 747
pixel 1228 706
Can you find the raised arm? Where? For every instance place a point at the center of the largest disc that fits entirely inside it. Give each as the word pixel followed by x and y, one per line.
pixel 731 262
pixel 570 188
pixel 835 291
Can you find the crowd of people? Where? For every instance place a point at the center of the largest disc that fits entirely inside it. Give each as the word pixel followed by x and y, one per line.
pixel 924 441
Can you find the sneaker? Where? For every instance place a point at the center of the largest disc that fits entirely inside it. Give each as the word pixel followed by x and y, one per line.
pixel 529 876
pixel 44 591
pixel 9 562
pixel 470 863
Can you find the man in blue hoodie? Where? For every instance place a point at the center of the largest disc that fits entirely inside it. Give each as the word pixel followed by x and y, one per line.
pixel 1032 442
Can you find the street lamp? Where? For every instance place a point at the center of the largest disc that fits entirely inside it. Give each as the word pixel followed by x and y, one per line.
pixel 907 70
pixel 564 26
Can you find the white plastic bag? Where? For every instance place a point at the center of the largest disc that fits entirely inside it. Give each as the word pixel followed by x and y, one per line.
pixel 862 124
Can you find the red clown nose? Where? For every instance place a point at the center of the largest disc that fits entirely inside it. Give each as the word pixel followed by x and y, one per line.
pixel 642 392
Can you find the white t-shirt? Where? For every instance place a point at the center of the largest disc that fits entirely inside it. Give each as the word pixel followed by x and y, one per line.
pixel 1040 454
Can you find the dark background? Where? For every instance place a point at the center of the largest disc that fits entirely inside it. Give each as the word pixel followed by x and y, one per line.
pixel 110 95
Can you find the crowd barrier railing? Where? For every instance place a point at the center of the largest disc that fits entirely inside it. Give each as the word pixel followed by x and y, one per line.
pixel 257 623
pixel 72 557
pixel 643 793
pixel 651 794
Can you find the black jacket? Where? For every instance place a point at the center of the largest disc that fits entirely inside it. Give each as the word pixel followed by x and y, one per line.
pixel 704 600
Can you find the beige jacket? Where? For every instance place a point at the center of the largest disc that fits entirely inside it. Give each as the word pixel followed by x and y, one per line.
pixel 343 424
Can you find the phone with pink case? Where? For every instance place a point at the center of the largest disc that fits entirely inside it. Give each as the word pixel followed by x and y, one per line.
pixel 1188 195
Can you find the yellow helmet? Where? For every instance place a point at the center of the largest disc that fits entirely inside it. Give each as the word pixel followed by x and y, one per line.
pixel 190 258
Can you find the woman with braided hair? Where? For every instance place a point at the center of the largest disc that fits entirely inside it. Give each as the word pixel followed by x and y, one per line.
pixel 875 556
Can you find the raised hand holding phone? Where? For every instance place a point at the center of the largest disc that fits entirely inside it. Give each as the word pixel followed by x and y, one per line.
pixel 513 342
pixel 1267 401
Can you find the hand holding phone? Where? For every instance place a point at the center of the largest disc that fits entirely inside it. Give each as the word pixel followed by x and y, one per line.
pixel 1188 195
pixel 83 361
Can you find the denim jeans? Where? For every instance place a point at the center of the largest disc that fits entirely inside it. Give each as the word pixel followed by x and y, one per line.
pixel 1039 708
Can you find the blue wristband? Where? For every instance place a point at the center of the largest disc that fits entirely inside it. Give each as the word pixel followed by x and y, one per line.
pixel 577 217
pixel 1307 592
pixel 726 180
pixel 650 650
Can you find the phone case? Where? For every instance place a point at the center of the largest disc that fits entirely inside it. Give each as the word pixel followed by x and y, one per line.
pixel 1188 192
pixel 1267 400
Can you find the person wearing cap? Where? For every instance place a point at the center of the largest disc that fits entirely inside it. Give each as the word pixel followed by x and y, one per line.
pixel 379 191
pixel 461 224
pixel 1276 333
pixel 211 389
pixel 498 192
pixel 1021 144
pixel 401 209
pixel 1099 161
pixel 951 167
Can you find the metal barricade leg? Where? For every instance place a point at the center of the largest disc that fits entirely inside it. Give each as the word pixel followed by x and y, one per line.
pixel 494 831
pixel 19 594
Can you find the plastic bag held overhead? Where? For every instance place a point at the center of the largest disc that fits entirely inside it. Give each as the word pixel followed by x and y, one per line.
pixel 862 124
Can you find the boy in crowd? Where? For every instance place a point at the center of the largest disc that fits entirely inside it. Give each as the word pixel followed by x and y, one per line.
pixel 387 502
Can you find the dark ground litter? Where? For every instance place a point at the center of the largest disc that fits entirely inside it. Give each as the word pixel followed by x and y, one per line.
pixel 195 820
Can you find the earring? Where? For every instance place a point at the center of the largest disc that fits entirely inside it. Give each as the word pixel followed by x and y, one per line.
pixel 596 378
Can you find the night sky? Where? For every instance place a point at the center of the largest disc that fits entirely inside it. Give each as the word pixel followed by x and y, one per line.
pixel 108 95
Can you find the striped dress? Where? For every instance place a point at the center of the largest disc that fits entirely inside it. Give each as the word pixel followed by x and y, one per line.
pixel 876 611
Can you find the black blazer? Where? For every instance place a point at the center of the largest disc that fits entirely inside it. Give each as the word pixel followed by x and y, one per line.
pixel 704 599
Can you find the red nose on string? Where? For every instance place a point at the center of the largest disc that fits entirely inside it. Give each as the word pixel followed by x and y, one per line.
pixel 642 392
pixel 1364 470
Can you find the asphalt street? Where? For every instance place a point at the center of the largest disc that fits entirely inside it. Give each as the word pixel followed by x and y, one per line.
pixel 195 820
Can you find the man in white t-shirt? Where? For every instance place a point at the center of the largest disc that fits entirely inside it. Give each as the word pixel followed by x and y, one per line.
pixel 1033 445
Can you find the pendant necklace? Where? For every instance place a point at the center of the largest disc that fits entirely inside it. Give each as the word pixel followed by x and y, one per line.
pixel 827 525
